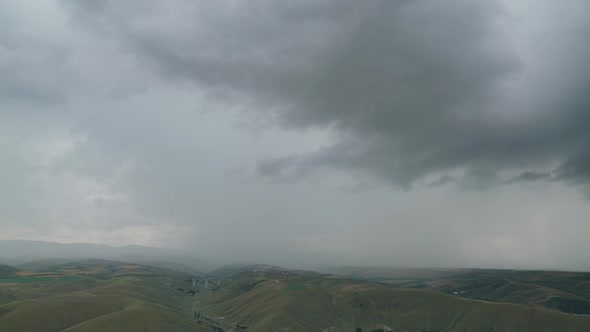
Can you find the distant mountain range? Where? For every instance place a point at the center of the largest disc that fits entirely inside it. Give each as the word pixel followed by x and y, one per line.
pixel 17 252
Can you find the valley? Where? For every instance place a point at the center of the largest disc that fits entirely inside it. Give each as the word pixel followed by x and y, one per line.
pixel 101 295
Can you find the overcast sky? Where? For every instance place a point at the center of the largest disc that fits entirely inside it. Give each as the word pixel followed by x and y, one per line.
pixel 403 133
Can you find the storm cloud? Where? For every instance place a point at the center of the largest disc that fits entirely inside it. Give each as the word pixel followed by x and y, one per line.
pixel 412 88
pixel 323 131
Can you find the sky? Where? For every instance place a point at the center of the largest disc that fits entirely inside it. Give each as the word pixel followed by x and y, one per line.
pixel 307 133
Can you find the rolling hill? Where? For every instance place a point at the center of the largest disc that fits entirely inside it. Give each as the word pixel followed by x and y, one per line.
pixel 271 302
pixel 6 270
pixel 95 295
pixel 106 295
pixel 565 291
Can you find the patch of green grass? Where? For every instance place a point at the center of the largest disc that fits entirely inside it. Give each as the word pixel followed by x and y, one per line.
pixel 102 276
pixel 26 280
pixel 121 280
pixel 316 282
pixel 339 281
pixel 49 270
pixel 69 278
pixel 294 287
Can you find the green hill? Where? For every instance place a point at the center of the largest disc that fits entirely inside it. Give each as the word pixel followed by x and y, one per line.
pixel 267 301
pixel 95 295
pixel 235 269
pixel 565 291
pixel 6 270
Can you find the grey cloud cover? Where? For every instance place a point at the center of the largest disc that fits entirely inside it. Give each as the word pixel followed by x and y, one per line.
pixel 414 88
pixel 199 123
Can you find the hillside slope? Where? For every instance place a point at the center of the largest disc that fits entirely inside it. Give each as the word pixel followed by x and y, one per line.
pixel 95 296
pixel 565 291
pixel 266 301
pixel 6 270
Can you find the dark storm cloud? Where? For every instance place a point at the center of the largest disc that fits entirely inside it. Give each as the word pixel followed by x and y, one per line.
pixel 528 176
pixel 576 169
pixel 415 87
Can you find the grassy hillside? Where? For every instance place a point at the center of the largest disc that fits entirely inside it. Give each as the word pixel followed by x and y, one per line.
pixel 565 291
pixel 234 269
pixel 267 301
pixel 6 270
pixel 95 295
pixel 98 295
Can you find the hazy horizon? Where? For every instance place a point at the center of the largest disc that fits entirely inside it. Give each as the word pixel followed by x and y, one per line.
pixel 172 256
pixel 313 133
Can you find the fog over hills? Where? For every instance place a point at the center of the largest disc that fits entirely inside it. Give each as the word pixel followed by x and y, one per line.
pixel 15 252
